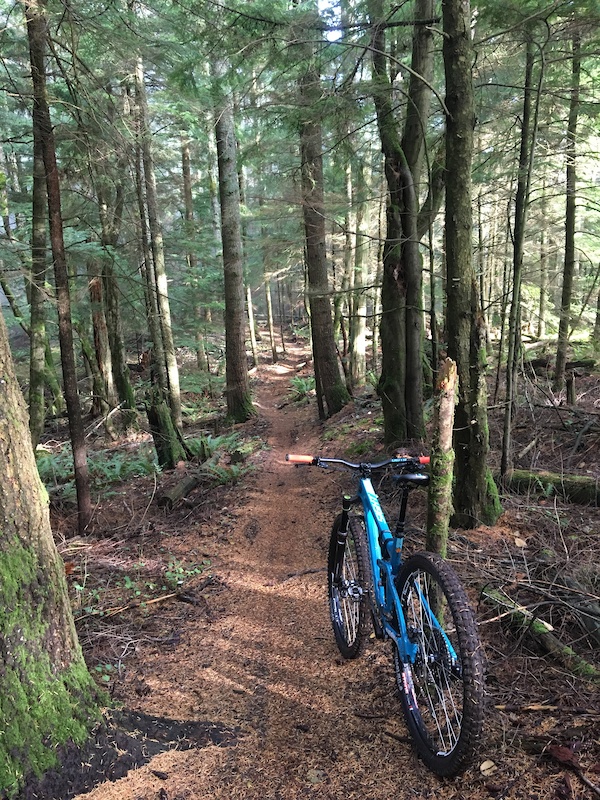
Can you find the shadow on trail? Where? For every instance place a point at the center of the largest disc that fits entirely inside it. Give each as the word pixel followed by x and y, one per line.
pixel 126 740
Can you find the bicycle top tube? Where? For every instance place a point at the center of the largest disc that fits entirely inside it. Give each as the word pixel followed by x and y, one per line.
pixel 365 467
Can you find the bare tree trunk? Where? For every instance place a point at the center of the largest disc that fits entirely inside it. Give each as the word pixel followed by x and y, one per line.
pixel 117 372
pixel 192 261
pixel 439 506
pixel 521 208
pixel 401 330
pixel 570 216
pixel 327 371
pixel 37 32
pixel 239 399
pixel 475 494
pixel 158 253
pixel 358 319
pixel 37 298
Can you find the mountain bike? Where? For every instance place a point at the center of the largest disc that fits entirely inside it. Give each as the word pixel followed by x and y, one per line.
pixel 419 604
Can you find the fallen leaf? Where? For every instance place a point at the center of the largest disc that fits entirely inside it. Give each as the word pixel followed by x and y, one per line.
pixel 520 542
pixel 488 768
pixel 315 776
pixel 563 755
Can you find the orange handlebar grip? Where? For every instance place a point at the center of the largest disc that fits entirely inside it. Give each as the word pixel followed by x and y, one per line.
pixel 424 459
pixel 299 459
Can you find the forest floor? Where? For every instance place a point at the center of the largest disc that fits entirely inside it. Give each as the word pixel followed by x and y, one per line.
pixel 229 684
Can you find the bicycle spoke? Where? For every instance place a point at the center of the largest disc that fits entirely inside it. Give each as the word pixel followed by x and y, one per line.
pixel 442 689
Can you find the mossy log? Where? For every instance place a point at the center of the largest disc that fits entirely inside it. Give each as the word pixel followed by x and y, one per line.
pixel 575 488
pixel 542 633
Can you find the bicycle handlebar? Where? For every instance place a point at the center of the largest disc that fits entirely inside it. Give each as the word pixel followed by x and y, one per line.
pixel 398 461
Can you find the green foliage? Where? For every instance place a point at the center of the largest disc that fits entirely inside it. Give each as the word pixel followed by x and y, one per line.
pixel 179 572
pixel 228 474
pixel 302 387
pixel 106 468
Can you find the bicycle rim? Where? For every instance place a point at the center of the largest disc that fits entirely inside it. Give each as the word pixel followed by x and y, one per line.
pixel 442 691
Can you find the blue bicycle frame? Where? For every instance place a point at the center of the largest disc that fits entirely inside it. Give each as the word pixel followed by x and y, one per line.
pixel 385 556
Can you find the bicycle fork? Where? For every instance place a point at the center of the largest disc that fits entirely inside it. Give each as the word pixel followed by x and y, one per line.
pixel 348 586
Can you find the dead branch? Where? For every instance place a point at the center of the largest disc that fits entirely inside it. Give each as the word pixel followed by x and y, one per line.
pixel 542 633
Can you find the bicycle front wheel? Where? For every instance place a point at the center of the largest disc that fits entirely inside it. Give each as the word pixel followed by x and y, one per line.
pixel 348 586
pixel 442 691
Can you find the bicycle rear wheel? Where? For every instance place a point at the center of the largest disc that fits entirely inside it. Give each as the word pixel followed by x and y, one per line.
pixel 442 692
pixel 348 586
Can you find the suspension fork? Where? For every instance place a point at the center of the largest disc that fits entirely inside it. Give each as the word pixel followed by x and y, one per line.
pixel 342 533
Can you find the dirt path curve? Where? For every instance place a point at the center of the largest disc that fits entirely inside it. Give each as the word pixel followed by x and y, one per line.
pixel 262 664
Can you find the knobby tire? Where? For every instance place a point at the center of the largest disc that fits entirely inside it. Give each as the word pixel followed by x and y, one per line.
pixel 442 697
pixel 348 586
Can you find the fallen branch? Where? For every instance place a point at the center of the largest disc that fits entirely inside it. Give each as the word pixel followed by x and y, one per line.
pixel 542 633
pixel 186 485
pixel 575 488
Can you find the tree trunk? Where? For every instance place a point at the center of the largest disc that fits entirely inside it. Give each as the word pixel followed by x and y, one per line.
pixel 117 372
pixel 192 261
pixel 158 252
pixel 37 298
pixel 401 330
pixel 251 326
pixel 543 306
pixel 270 321
pixel 358 318
pixel 47 697
pixel 327 371
pixel 239 399
pixel 101 341
pixel 570 216
pixel 37 32
pixel 475 495
pixel 439 505
pixel 521 208
pixel 596 334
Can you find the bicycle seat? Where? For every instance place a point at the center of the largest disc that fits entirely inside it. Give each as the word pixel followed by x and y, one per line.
pixel 416 478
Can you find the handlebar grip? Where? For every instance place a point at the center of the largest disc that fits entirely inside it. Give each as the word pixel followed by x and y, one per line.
pixel 298 459
pixel 424 459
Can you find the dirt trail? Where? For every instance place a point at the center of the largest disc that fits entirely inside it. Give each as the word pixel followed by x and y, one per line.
pixel 261 665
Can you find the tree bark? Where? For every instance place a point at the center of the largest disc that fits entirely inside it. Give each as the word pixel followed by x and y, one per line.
pixel 47 697
pixel 157 248
pixel 401 330
pixel 192 261
pixel 327 370
pixel 239 399
pixel 570 218
pixel 37 298
pixel 37 32
pixel 439 505
pixel 521 208
pixel 475 495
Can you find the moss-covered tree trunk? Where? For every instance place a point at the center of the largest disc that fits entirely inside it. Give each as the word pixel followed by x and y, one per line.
pixel 439 506
pixel 475 495
pixel 47 696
